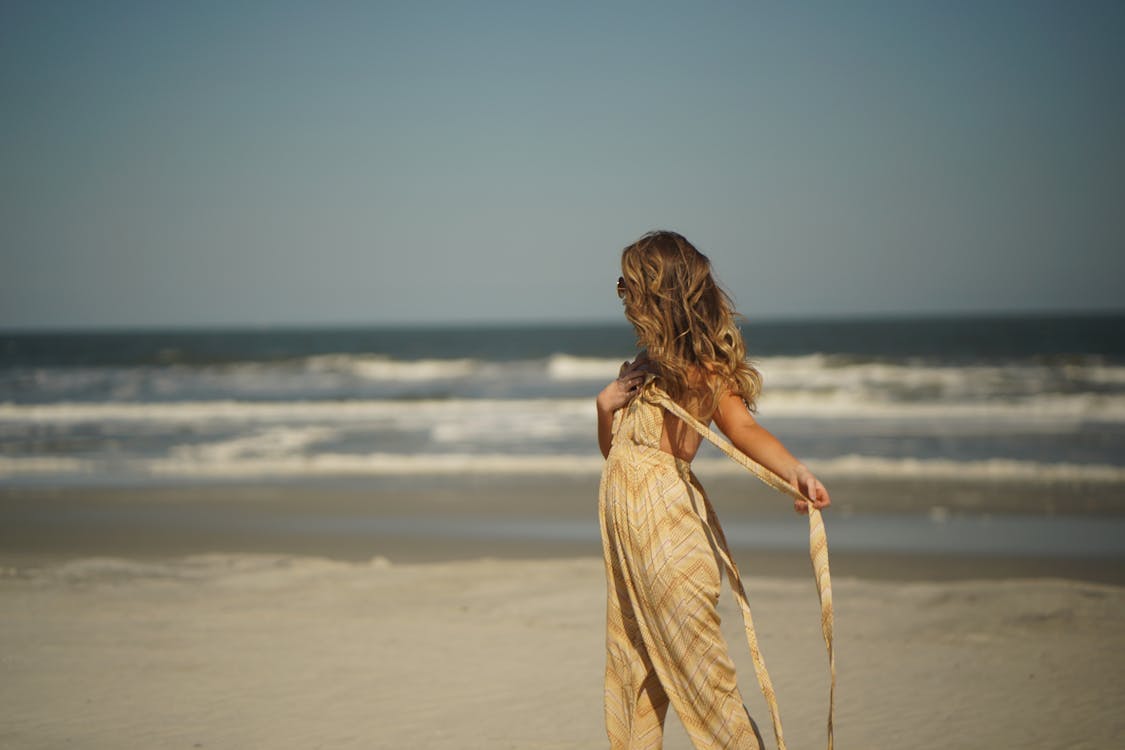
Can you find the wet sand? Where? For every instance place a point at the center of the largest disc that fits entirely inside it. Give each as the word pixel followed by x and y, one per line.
pixel 437 521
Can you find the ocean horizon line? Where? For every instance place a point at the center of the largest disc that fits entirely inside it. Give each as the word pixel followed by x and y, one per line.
pixel 524 323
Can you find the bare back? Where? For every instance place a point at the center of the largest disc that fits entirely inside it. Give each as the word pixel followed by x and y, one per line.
pixel 677 438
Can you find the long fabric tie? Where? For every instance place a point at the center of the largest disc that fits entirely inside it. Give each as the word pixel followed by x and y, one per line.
pixel 818 553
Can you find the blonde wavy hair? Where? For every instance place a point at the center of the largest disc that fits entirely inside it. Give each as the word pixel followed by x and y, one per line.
pixel 685 321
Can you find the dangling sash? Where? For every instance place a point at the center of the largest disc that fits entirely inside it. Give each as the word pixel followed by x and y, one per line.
pixel 818 553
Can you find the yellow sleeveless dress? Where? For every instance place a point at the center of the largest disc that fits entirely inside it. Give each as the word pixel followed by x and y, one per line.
pixel 663 546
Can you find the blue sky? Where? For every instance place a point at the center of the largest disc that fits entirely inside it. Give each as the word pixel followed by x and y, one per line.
pixel 271 163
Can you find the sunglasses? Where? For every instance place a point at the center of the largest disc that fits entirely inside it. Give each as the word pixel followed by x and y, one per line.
pixel 621 287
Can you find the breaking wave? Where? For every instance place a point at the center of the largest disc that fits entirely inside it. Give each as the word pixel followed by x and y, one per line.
pixel 228 464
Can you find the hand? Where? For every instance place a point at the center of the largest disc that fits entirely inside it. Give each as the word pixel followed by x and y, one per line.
pixel 809 486
pixel 624 389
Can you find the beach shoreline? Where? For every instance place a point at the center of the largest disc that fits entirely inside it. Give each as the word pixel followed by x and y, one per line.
pixel 435 521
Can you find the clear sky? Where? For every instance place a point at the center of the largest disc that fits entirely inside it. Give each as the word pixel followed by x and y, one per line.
pixel 167 163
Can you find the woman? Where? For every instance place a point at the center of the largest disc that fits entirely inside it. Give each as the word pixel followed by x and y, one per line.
pixel 660 535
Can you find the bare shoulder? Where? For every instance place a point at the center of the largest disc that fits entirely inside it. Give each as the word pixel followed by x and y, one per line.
pixel 731 410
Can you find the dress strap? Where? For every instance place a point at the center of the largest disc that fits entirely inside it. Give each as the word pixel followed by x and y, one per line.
pixel 818 553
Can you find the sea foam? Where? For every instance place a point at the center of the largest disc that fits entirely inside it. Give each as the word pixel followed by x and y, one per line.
pixel 232 464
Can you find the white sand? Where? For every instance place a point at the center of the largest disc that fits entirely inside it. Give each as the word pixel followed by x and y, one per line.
pixel 277 652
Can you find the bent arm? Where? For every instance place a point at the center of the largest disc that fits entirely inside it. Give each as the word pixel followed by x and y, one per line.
pixel 616 395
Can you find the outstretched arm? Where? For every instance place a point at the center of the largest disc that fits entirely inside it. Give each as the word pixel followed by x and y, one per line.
pixel 738 424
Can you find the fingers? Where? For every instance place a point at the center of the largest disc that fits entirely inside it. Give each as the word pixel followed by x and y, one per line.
pixel 631 380
pixel 824 500
pixel 627 387
pixel 630 389
pixel 813 490
pixel 632 376
pixel 818 494
pixel 624 387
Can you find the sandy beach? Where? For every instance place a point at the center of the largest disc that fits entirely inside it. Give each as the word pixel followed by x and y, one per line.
pixel 129 618
pixel 225 651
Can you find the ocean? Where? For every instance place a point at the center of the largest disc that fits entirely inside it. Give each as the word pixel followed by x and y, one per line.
pixel 979 398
